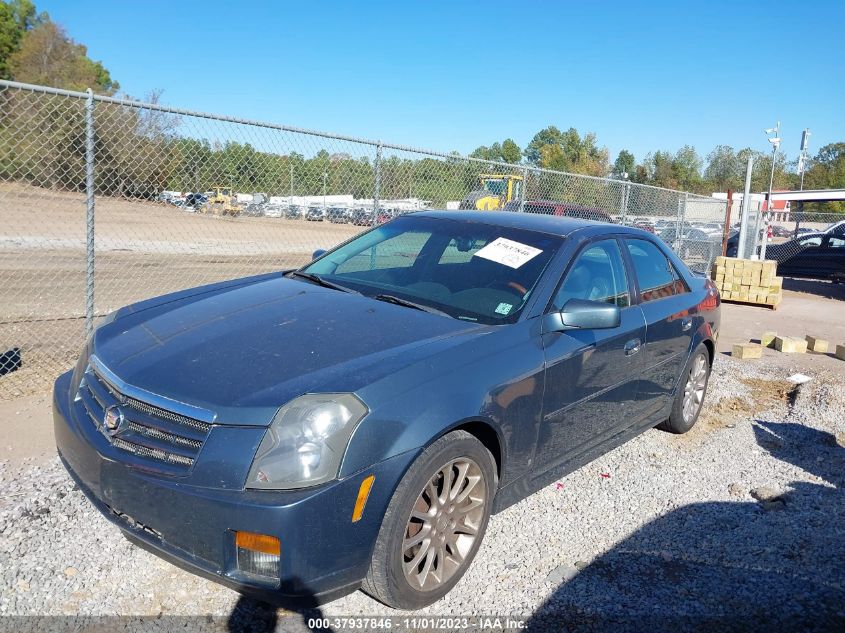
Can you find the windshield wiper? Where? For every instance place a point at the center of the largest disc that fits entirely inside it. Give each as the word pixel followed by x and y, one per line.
pixel 314 278
pixel 409 304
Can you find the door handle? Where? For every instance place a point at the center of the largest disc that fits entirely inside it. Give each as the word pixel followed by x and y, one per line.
pixel 632 346
pixel 686 324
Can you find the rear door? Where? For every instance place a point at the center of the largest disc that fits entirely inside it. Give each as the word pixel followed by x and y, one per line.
pixel 591 375
pixel 665 300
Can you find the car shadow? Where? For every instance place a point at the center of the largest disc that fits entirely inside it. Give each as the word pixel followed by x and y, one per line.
pixel 776 564
pixel 826 289
pixel 252 615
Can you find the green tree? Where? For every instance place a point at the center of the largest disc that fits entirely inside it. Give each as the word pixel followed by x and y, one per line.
pixel 827 171
pixel 572 153
pixel 510 151
pixel 48 56
pixel 723 169
pixel 16 18
pixel 624 164
pixel 686 167
pixel 547 136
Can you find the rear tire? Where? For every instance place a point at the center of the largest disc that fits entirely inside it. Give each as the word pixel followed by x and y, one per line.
pixel 433 527
pixel 689 397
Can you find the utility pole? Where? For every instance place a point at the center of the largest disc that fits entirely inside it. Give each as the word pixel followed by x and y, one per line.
pixel 775 141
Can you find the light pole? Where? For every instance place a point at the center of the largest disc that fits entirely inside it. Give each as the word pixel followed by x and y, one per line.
pixel 802 158
pixel 775 141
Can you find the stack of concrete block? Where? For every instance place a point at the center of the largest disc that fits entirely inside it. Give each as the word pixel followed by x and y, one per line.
pixel 748 281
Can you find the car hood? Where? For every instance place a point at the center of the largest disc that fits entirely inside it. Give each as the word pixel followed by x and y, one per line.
pixel 242 351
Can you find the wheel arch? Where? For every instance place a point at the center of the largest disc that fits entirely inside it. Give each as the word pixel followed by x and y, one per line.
pixel 485 433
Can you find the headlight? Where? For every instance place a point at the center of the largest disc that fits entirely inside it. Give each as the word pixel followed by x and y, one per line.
pixel 306 441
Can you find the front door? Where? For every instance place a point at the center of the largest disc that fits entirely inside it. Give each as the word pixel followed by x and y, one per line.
pixel 591 375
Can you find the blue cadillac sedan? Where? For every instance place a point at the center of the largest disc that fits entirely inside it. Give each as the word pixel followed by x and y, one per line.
pixel 354 423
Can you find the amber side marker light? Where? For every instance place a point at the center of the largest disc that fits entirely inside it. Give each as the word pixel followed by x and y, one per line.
pixel 258 554
pixel 258 543
pixel 363 495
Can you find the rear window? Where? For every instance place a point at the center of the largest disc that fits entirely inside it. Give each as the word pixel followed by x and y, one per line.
pixel 656 276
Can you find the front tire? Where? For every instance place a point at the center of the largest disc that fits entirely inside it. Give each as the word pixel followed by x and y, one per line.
pixel 434 523
pixel 689 397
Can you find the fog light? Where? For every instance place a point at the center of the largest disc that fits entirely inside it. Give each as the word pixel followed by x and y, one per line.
pixel 258 554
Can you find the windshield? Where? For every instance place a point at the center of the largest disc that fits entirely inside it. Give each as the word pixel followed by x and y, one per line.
pixel 471 271
pixel 495 185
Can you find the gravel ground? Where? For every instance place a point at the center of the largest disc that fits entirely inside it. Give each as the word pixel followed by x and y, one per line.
pixel 738 524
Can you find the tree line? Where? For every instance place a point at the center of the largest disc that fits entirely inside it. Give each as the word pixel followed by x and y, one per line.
pixel 685 169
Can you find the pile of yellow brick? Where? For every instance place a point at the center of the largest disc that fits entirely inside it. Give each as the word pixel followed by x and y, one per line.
pixel 748 280
pixel 785 344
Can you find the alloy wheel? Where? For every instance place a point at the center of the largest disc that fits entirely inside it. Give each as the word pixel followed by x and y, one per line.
pixel 694 389
pixel 444 524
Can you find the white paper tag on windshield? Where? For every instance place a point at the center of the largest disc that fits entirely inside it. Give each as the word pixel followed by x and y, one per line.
pixel 507 252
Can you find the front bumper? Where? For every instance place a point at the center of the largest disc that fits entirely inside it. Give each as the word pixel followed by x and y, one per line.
pixel 323 554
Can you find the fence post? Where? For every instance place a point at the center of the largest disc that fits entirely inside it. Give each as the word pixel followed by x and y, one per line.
pixel 89 200
pixel 623 204
pixel 726 229
pixel 522 189
pixel 744 209
pixel 377 184
pixel 679 225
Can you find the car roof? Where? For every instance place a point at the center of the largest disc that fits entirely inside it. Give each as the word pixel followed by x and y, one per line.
pixel 551 224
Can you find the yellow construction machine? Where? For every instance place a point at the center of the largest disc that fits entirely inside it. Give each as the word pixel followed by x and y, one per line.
pixel 222 200
pixel 496 191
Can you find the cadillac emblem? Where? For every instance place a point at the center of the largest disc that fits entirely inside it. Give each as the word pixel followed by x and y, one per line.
pixel 112 420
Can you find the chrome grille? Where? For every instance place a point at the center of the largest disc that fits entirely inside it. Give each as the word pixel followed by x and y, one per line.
pixel 146 430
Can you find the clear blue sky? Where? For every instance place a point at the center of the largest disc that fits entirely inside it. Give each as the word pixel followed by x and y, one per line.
pixel 455 75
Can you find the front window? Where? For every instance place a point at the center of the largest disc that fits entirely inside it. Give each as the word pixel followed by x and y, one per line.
pixel 496 186
pixel 598 274
pixel 469 270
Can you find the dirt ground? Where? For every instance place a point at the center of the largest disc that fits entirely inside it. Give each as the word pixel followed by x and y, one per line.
pixel 809 307
pixel 143 249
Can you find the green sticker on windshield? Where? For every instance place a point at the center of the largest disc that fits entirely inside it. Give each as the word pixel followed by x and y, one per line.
pixel 504 308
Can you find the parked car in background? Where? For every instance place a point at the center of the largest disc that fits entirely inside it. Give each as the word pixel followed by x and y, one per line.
pixel 837 228
pixel 811 256
pixel 274 210
pixel 436 370
pixel 315 214
pixel 339 215
pixel 643 223
pixel 695 245
pixel 362 216
pixel 561 209
pixel 709 227
pixel 780 231
pixel 386 215
pixel 293 212
pixel 196 200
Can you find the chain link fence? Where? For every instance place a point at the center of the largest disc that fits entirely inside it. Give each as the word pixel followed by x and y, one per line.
pixel 105 201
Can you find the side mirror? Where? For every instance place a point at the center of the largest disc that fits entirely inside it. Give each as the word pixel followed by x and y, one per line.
pixel 318 253
pixel 580 314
